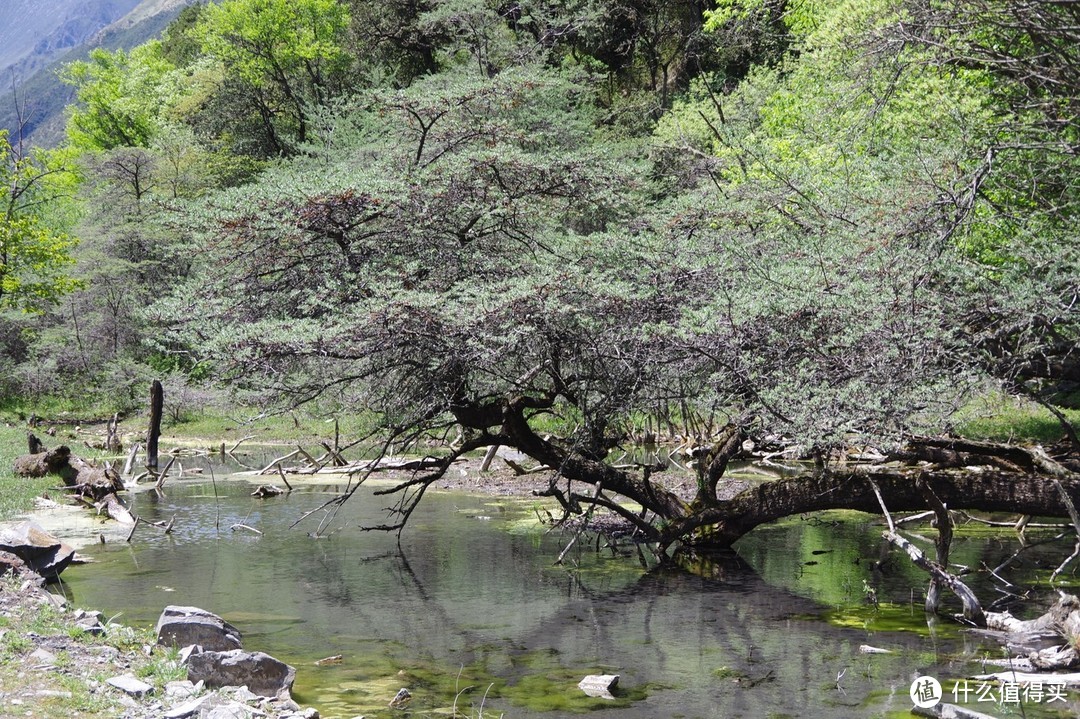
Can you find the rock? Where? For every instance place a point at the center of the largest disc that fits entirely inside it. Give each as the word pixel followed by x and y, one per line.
pixel 186 653
pixel 230 711
pixel 599 685
pixel 130 685
pixel 12 564
pixel 43 657
pixel 260 673
pixel 182 689
pixel 401 699
pixel 186 626
pixel 89 622
pixel 187 709
pixel 42 552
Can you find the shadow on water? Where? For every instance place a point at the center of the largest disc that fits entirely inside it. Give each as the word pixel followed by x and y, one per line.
pixel 470 610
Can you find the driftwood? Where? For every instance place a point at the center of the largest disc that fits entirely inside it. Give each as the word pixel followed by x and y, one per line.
pixel 112 439
pixel 130 462
pixel 164 473
pixel 115 509
pixel 267 490
pixel 55 461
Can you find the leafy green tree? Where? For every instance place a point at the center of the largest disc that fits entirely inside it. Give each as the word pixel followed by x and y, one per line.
pixel 285 56
pixel 120 97
pixel 33 254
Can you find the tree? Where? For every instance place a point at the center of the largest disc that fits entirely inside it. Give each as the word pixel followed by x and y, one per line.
pixel 33 255
pixel 286 56
pixel 120 97
pixel 473 255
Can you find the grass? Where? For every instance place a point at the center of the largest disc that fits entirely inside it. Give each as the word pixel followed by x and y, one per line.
pixel 1000 418
pixel 17 493
pixel 29 622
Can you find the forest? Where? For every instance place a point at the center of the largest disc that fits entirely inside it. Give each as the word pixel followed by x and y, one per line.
pixel 828 230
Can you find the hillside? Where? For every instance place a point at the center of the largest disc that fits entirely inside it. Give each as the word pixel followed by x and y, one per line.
pixel 38 37
pixel 33 33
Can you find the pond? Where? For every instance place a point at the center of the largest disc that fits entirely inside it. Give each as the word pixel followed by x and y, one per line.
pixel 470 613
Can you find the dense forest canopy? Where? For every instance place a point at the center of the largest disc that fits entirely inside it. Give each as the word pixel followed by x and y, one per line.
pixel 546 225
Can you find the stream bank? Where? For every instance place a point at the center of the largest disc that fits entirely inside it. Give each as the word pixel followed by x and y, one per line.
pixel 57 661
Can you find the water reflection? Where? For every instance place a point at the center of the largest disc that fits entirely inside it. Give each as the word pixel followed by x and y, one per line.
pixel 471 598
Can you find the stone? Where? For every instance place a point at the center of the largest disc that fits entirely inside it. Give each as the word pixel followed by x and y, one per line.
pixel 259 672
pixel 43 553
pixel 599 685
pixel 186 626
pixel 187 709
pixel 12 564
pixel 130 685
pixel 186 653
pixel 401 699
pixel 43 657
pixel 181 689
pixel 89 622
pixel 230 711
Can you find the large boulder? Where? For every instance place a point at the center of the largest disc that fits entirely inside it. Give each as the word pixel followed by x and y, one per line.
pixel 187 626
pixel 42 552
pixel 260 673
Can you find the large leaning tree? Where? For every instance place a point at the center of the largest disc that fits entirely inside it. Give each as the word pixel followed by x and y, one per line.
pixel 474 258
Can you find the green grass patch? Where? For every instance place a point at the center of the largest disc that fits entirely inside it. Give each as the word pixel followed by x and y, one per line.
pixel 17 493
pixel 1000 418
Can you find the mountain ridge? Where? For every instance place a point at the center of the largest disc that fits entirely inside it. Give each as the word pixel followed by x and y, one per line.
pixel 32 110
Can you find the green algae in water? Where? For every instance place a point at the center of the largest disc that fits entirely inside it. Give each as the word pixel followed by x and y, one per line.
pixel 890 617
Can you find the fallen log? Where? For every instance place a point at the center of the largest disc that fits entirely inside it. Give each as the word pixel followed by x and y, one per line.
pixel 724 523
pixel 115 509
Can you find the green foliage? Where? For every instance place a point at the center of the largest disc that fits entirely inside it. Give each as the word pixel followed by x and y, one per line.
pixel 120 97
pixel 281 56
pixel 33 252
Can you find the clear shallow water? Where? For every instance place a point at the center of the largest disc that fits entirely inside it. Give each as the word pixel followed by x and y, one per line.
pixel 471 598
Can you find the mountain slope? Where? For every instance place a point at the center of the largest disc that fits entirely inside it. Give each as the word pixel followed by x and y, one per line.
pixel 33 33
pixel 63 26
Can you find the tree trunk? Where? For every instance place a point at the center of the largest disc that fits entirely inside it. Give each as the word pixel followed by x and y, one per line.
pixel 157 402
pixel 722 525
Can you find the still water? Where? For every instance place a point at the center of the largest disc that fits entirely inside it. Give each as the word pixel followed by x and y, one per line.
pixel 470 613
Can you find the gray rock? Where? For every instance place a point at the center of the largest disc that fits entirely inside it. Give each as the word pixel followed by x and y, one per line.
pixel 182 689
pixel 599 685
pixel 230 711
pixel 401 699
pixel 89 622
pixel 43 657
pixel 42 552
pixel 187 651
pixel 260 673
pixel 130 685
pixel 185 626
pixel 187 709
